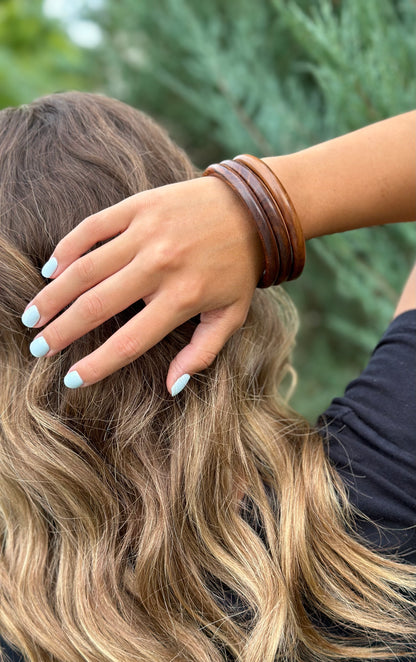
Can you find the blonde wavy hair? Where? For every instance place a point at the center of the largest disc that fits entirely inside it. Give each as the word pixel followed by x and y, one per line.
pixel 122 534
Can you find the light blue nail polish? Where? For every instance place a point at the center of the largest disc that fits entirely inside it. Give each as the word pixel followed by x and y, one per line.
pixel 73 379
pixel 39 347
pixel 180 384
pixel 49 267
pixel 31 316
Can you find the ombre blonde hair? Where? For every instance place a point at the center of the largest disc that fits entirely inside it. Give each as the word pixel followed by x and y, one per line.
pixel 121 530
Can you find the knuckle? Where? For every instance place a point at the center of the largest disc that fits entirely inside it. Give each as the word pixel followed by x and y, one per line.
pixel 85 269
pixel 147 201
pixel 55 337
pixel 91 306
pixel 127 347
pixel 90 370
pixel 206 357
pixel 178 366
pixel 48 304
pixel 162 255
pixel 94 222
pixel 189 294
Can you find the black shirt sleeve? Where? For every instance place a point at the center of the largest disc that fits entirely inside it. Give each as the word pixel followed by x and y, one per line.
pixel 9 655
pixel 371 440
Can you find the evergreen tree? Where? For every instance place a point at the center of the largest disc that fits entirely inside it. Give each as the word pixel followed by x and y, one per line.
pixel 272 77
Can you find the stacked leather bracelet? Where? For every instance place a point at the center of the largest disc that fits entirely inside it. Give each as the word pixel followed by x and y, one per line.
pixel 276 220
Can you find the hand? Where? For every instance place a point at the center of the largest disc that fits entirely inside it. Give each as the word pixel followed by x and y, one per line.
pixel 187 248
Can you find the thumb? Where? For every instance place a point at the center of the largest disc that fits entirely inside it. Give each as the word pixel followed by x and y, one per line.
pixel 209 337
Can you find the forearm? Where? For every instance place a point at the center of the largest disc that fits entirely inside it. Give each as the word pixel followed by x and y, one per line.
pixel 366 177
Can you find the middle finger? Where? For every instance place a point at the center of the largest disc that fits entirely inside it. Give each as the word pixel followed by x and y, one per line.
pixel 80 276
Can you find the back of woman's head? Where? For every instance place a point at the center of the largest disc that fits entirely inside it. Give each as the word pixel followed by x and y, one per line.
pixel 120 523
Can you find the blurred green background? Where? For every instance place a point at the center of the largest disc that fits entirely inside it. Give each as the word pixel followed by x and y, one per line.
pixel 266 77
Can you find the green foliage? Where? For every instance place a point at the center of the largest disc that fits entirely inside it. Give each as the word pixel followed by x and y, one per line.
pixel 273 77
pixel 36 55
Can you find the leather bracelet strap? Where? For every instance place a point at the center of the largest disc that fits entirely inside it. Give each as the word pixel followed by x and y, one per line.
pixel 273 214
pixel 280 195
pixel 244 192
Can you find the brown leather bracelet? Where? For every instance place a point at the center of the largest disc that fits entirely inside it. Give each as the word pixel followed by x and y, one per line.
pixel 244 192
pixel 273 214
pixel 262 196
pixel 280 195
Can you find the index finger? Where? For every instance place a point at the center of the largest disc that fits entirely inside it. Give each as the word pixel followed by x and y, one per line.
pixel 143 331
pixel 100 226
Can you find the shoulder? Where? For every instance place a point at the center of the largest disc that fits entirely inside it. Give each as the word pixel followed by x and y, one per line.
pixel 370 438
pixel 382 398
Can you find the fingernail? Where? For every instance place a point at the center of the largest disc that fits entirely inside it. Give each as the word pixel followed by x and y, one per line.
pixel 39 347
pixel 49 267
pixel 73 379
pixel 180 384
pixel 31 316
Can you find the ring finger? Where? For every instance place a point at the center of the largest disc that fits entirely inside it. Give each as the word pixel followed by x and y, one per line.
pixel 140 333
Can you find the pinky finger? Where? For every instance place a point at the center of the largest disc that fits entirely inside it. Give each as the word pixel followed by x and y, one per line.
pixel 209 337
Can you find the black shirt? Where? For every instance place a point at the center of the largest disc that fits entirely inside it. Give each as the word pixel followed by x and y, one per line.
pixel 372 442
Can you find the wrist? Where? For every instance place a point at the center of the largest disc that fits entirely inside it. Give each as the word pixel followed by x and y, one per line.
pixel 320 194
pixel 301 187
pixel 360 179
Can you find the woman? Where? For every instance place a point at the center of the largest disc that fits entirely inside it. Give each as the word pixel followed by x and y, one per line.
pixel 216 524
